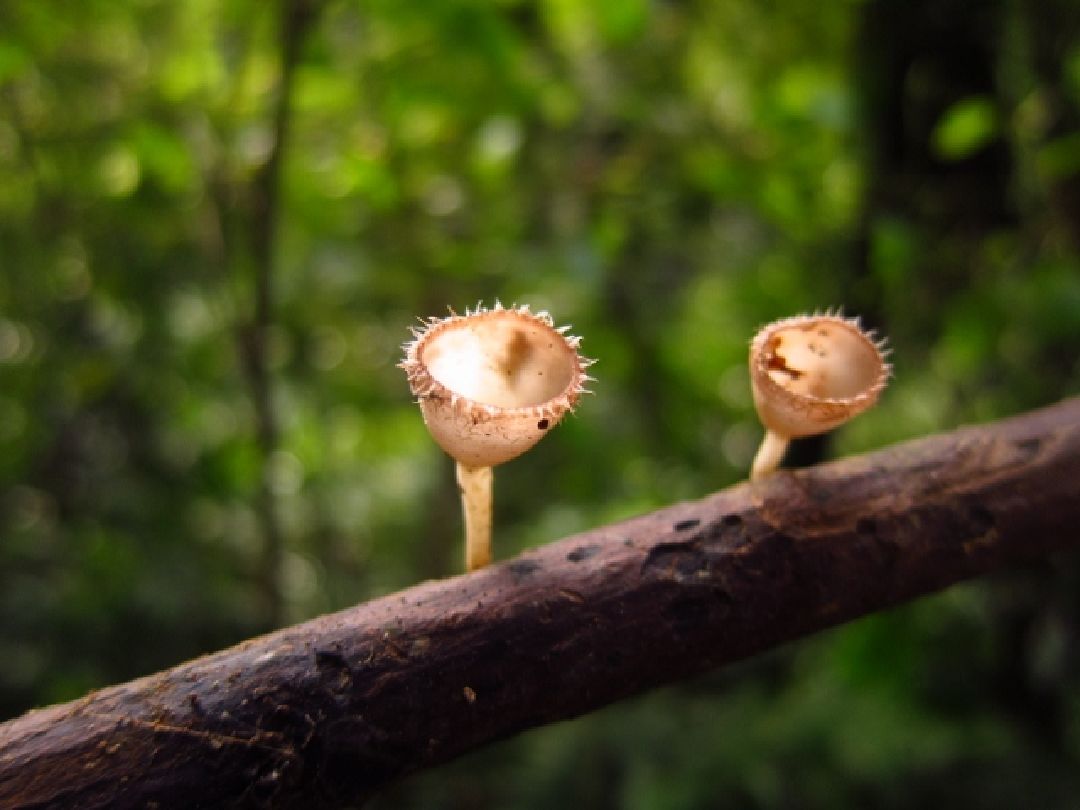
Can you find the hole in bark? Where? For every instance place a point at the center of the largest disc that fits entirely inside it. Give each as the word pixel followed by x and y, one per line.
pixel 582 553
pixel 666 555
pixel 1029 447
pixel 522 568
pixel 732 532
pixel 330 659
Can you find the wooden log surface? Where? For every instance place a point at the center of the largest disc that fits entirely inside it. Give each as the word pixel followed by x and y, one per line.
pixel 326 713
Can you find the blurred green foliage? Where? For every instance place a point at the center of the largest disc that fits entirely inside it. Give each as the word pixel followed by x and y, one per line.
pixel 665 176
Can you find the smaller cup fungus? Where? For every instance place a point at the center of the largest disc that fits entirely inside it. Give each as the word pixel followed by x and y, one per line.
pixel 490 384
pixel 810 374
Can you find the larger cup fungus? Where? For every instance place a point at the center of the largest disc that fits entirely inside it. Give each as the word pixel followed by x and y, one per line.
pixel 490 384
pixel 810 374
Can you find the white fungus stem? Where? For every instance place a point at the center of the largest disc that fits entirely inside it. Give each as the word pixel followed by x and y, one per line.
pixel 769 455
pixel 475 484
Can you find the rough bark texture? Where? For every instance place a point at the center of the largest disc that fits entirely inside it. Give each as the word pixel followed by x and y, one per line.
pixel 325 713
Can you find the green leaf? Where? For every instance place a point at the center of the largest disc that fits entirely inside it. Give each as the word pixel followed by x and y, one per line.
pixel 965 128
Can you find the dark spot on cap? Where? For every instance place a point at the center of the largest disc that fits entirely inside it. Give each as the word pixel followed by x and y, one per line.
pixel 542 424
pixel 683 525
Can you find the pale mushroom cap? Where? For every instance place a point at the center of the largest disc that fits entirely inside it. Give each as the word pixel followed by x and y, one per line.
pixel 811 373
pixel 492 382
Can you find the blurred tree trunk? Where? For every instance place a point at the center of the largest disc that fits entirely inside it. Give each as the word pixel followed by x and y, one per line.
pixel 1052 29
pixel 327 713
pixel 914 62
pixel 295 18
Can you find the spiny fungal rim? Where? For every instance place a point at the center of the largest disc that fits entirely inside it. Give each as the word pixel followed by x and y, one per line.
pixel 423 385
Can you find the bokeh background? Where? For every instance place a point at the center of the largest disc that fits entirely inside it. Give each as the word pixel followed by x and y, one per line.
pixel 218 219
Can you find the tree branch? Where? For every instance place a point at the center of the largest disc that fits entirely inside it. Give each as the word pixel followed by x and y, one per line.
pixel 325 713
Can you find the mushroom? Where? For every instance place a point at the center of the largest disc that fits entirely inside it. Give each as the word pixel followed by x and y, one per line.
pixel 490 384
pixel 810 374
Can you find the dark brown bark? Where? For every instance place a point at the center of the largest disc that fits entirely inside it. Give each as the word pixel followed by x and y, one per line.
pixel 325 713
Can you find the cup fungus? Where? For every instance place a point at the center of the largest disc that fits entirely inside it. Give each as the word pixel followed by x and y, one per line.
pixel 810 374
pixel 490 384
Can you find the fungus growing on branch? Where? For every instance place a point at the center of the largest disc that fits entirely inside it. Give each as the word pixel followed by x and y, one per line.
pixel 490 384
pixel 810 374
